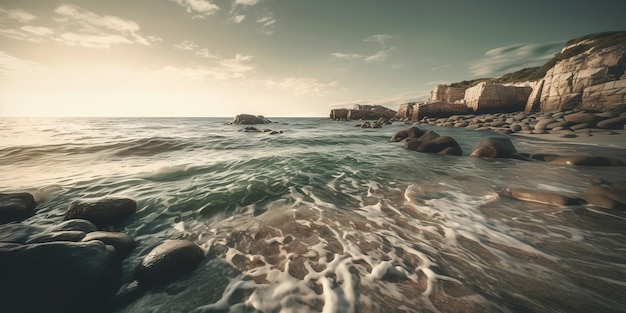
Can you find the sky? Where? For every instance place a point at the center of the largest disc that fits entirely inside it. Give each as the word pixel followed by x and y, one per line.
pixel 219 58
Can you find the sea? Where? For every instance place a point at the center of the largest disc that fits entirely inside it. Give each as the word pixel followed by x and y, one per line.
pixel 328 217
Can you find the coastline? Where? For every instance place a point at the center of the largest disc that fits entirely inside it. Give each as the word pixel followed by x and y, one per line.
pixel 616 139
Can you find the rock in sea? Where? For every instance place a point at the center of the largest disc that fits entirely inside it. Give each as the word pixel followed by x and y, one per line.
pixel 102 213
pixel 16 206
pixel 168 261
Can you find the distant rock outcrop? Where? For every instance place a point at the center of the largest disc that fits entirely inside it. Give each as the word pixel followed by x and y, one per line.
pixel 249 119
pixel 362 112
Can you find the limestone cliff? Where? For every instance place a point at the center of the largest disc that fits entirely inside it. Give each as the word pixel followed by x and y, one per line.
pixel 487 98
pixel 589 74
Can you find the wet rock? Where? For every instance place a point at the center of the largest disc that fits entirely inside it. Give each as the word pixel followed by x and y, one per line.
pixel 102 213
pixel 603 202
pixel 74 224
pixel 67 235
pixel 123 243
pixel 584 160
pixel 580 126
pixel 411 132
pixel 493 147
pixel 168 261
pixel 429 143
pixel 543 123
pixel 128 293
pixel 17 233
pixel 16 206
pixel 251 129
pixel 612 193
pixel 542 197
pixel 56 277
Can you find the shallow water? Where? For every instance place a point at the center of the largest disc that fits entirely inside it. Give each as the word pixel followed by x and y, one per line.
pixel 327 217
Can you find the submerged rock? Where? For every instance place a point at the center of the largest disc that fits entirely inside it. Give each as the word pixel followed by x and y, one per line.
pixel 543 197
pixel 411 132
pixel 123 243
pixel 493 147
pixel 104 212
pixel 16 206
pixel 74 224
pixel 249 119
pixel 168 261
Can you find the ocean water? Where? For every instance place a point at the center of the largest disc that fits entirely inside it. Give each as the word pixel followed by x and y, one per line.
pixel 326 217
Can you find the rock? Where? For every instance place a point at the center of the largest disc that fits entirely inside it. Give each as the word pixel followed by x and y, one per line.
pixel 123 243
pixel 168 261
pixel 613 123
pixel 608 192
pixel 488 97
pixel 17 232
pixel 543 123
pixel 16 206
pixel 579 118
pixel 439 144
pixel 249 119
pixel 542 197
pixel 67 235
pixel 603 202
pixel 251 129
pixel 74 224
pixel 128 293
pixel 411 132
pixel 583 160
pixel 581 126
pixel 493 147
pixel 56 277
pixel 102 213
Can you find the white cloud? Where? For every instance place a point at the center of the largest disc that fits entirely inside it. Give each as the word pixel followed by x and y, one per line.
pixel 238 18
pixel 300 85
pixel 205 53
pixel 505 59
pixel 346 56
pixel 247 2
pixel 223 69
pixel 267 24
pixel 18 15
pixel 379 57
pixel 186 45
pixel 203 7
pixel 13 65
pixel 37 30
pixel 381 38
pixel 97 31
pixel 92 41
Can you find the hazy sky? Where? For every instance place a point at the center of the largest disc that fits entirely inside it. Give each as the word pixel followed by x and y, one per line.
pixel 270 57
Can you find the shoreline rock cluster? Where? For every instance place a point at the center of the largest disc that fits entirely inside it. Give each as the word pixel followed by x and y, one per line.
pixel 606 195
pixel 75 266
pixel 565 124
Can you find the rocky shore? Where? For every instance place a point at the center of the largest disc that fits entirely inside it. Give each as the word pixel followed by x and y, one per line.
pixel 75 266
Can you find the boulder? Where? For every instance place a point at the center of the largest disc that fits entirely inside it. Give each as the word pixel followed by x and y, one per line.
pixel 493 147
pixel 123 243
pixel 16 206
pixel 56 277
pixel 66 235
pixel 103 212
pixel 74 224
pixel 168 261
pixel 249 119
pixel 411 132
pixel 613 123
pixel 439 144
pixel 17 232
pixel 581 117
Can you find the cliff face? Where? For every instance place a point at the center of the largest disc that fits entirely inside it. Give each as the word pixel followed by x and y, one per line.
pixel 485 98
pixel 443 93
pixel 593 79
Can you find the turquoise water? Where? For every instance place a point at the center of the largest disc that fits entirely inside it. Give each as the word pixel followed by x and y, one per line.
pixel 326 217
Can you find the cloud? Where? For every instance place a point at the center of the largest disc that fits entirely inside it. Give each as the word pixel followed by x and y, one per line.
pixel 223 69
pixel 247 2
pixel 267 24
pixel 346 56
pixel 381 38
pixel 186 45
pixel 238 18
pixel 97 31
pixel 505 59
pixel 37 30
pixel 379 57
pixel 205 53
pixel 17 14
pixel 300 85
pixel 13 65
pixel 203 7
pixel 440 67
